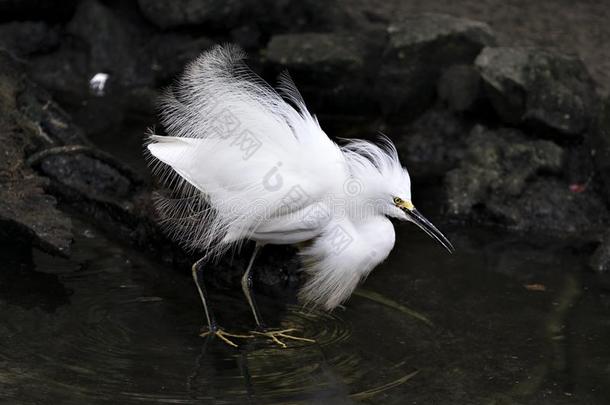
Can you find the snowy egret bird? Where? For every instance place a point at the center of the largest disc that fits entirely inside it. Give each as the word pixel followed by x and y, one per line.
pixel 247 162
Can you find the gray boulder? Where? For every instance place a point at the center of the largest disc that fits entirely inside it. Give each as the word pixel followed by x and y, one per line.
pixel 329 68
pixel 459 87
pixel 541 87
pixel 515 181
pixel 419 48
pixel 549 206
pixel 433 144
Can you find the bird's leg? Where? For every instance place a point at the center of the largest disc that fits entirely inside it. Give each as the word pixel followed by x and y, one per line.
pixel 213 329
pixel 246 286
pixel 274 335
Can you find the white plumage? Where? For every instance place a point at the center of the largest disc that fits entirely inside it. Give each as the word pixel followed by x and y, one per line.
pixel 245 161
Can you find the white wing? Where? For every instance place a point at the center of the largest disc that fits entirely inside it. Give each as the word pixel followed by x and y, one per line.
pixel 237 153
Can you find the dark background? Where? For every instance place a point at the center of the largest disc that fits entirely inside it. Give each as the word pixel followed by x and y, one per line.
pixel 499 109
pixel 499 106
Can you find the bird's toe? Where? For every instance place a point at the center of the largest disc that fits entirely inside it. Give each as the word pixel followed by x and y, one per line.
pixel 276 336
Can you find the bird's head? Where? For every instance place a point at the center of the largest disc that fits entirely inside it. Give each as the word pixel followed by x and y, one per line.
pixel 409 213
pixel 387 184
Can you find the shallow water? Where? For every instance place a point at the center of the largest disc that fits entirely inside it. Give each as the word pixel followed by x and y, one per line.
pixel 110 326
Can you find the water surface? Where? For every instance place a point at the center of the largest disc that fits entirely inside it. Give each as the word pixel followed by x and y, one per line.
pixel 505 320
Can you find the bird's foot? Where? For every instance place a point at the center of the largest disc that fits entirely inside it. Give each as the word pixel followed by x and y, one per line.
pixel 223 335
pixel 275 336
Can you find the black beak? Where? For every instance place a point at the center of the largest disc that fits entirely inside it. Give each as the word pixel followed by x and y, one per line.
pixel 430 229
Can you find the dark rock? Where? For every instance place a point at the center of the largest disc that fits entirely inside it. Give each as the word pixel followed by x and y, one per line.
pixel 27 214
pixel 50 120
pixel 109 193
pixel 247 36
pixel 283 16
pixel 419 48
pixel 324 56
pixel 174 13
pixel 529 85
pixel 64 72
pixel 459 87
pixel 48 10
pixel 276 273
pixel 507 178
pixel 599 140
pixel 171 52
pixel 270 16
pixel 579 166
pixel 26 38
pixel 142 100
pixel 329 69
pixel 112 42
pixel 548 205
pixel 498 162
pixel 87 175
pixel 433 144
pixel 100 42
pixel 600 261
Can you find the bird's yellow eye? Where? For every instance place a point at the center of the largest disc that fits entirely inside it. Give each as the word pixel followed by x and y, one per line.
pixel 397 200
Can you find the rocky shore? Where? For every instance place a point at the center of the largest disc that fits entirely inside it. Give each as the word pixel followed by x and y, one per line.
pixel 512 137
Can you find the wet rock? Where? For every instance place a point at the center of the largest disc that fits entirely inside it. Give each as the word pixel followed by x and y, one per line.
pixel 509 179
pixel 541 87
pixel 599 140
pixel 600 261
pixel 172 13
pixel 459 87
pixel 328 68
pixel 433 144
pixel 419 48
pixel 27 214
pixel 26 38
pixel 50 121
pixel 86 175
pixel 38 134
pixel 548 205
pixel 498 161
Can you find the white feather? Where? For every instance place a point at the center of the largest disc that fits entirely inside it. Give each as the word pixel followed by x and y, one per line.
pixel 242 163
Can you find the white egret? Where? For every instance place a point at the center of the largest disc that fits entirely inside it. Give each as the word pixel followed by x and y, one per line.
pixel 247 162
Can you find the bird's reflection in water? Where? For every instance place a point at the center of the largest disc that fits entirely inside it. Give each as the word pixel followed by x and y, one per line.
pixel 323 371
